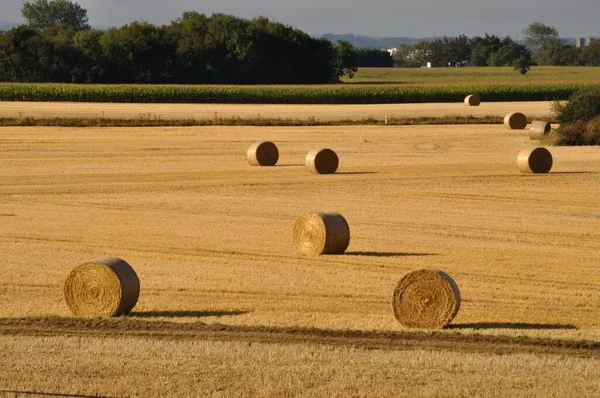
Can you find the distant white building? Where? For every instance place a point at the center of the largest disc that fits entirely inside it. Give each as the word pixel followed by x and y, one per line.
pixel 391 51
pixel 581 42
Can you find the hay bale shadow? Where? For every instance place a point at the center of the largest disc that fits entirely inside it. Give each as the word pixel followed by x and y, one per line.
pixel 355 172
pixel 513 325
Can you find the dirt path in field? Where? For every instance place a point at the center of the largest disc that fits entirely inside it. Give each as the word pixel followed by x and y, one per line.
pixel 409 340
pixel 303 112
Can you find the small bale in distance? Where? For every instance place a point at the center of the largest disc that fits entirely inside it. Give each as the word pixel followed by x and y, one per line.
pixel 263 154
pixel 515 121
pixel 426 298
pixel 472 100
pixel 534 160
pixel 321 233
pixel 105 287
pixel 322 161
pixel 539 129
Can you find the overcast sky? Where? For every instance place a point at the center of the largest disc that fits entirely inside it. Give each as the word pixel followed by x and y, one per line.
pixel 418 18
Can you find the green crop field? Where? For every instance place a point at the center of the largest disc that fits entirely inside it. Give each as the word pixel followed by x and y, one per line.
pixel 328 94
pixel 487 75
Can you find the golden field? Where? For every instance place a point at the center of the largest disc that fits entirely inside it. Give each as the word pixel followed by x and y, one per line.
pixel 210 238
pixel 9 109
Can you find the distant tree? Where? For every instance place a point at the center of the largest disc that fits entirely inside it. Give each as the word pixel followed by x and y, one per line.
pixel 591 53
pixel 522 64
pixel 44 14
pixel 372 57
pixel 558 53
pixel 539 36
pixel 484 49
pixel 510 53
pixel 347 59
pixel 414 56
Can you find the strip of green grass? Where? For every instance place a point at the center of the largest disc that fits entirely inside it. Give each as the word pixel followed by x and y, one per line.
pixel 475 75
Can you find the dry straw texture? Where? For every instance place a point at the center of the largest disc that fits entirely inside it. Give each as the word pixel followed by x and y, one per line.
pixel 103 287
pixel 472 100
pixel 263 154
pixel 539 129
pixel 322 161
pixel 321 233
pixel 534 160
pixel 426 298
pixel 515 121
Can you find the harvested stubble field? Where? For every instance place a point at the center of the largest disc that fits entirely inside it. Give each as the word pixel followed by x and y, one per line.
pixel 211 239
pixel 8 109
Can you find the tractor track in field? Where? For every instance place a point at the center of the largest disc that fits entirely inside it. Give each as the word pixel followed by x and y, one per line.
pixel 131 327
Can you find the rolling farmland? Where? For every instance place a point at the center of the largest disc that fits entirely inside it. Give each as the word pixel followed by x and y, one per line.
pixel 229 306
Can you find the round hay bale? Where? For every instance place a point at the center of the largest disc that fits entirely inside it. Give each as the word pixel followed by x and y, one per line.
pixel 534 160
pixel 539 129
pixel 472 100
pixel 103 287
pixel 321 233
pixel 263 154
pixel 515 121
pixel 322 161
pixel 426 298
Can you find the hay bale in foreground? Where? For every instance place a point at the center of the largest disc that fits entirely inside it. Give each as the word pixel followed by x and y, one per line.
pixel 534 160
pixel 539 129
pixel 263 154
pixel 472 100
pixel 515 121
pixel 105 287
pixel 322 161
pixel 426 298
pixel 321 233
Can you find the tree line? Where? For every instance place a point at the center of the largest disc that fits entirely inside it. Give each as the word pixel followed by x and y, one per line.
pixel 58 45
pixel 542 46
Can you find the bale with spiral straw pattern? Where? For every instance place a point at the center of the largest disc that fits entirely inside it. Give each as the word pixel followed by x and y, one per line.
pixel 104 287
pixel 263 154
pixel 515 121
pixel 539 129
pixel 322 161
pixel 321 233
pixel 426 298
pixel 534 160
pixel 472 100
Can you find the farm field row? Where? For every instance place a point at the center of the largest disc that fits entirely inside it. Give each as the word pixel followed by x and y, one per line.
pixel 8 109
pixel 471 75
pixel 211 240
pixel 289 94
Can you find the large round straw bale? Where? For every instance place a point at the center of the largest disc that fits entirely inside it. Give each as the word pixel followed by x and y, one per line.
pixel 539 129
pixel 321 233
pixel 106 287
pixel 472 100
pixel 322 161
pixel 263 154
pixel 534 160
pixel 515 121
pixel 426 298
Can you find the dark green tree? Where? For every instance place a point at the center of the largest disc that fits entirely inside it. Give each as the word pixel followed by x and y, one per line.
pixel 484 50
pixel 43 14
pixel 522 64
pixel 591 54
pixel 540 36
pixel 372 57
pixel 347 59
